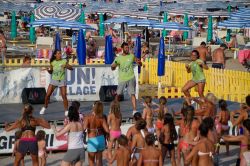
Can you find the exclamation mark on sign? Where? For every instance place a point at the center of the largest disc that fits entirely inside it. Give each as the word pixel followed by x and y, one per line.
pixel 93 75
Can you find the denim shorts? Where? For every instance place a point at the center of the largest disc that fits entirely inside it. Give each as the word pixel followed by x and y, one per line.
pixel 58 83
pixel 130 85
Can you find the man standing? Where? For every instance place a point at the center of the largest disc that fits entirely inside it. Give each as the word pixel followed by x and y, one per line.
pixel 203 51
pixel 126 73
pixel 218 57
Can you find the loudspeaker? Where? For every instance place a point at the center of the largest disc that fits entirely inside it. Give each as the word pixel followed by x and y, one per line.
pixel 108 93
pixel 33 95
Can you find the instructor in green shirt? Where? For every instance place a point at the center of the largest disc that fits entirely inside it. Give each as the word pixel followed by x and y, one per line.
pixel 198 76
pixel 126 73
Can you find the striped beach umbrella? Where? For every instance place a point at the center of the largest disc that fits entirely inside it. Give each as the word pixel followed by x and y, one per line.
pixel 170 26
pixel 32 30
pixel 68 14
pixel 47 22
pixel 13 25
pixel 46 10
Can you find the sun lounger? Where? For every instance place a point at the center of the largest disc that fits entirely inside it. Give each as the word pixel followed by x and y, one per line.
pixel 44 41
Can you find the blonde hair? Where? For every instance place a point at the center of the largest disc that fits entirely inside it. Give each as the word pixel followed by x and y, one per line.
pixel 212 98
pixel 98 108
pixel 115 109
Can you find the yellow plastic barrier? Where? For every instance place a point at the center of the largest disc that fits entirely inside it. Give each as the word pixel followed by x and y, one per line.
pixel 226 84
pixel 45 62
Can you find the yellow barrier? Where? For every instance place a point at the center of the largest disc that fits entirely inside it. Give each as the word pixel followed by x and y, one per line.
pixel 225 84
pixel 45 62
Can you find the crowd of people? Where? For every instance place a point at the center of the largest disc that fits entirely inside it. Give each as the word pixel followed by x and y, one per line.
pixel 151 139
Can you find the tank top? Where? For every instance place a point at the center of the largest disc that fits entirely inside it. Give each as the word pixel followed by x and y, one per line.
pixel 75 140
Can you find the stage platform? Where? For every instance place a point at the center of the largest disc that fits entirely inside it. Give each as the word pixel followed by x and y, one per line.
pixel 11 112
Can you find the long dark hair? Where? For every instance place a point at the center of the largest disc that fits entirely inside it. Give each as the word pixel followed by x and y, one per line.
pixel 162 102
pixel 169 120
pixel 53 57
pixel 27 114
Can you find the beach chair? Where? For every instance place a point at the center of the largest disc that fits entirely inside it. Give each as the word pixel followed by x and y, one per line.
pixel 44 42
pixel 197 41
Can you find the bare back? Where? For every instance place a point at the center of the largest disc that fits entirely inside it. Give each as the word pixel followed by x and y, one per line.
pixel 123 155
pixel 218 56
pixel 150 156
pixel 94 126
pixel 207 147
pixel 114 122
pixel 203 52
pixel 225 116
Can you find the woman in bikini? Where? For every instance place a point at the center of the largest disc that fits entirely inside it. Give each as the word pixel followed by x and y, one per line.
pixel 138 142
pixel 28 141
pixel 168 135
pixel 243 139
pixel 160 118
pixel 150 155
pixel 148 114
pixel 188 133
pixel 223 118
pixel 244 113
pixel 96 126
pixel 132 130
pixel 203 151
pixel 114 122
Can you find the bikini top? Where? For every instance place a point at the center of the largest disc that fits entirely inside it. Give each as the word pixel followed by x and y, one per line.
pixel 203 154
pixel 28 126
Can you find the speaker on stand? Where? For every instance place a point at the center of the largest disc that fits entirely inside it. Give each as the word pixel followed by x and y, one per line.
pixel 33 95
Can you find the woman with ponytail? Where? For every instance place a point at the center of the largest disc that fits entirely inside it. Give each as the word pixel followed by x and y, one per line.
pixel 28 143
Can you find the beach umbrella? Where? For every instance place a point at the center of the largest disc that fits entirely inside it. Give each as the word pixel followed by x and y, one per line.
pixel 13 25
pixel 161 58
pixel 47 10
pixel 58 42
pixel 165 19
pixel 81 48
pixel 138 50
pixel 109 56
pixel 68 14
pixel 210 29
pixel 101 25
pixel 32 30
pixel 82 18
pixel 185 34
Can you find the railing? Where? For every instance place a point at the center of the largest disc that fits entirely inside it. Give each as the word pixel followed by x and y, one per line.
pixel 226 84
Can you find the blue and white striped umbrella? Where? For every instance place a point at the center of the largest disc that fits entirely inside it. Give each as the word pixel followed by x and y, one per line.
pixel 142 22
pixel 49 22
pixel 171 26
pixel 47 10
pixel 119 20
pixel 68 14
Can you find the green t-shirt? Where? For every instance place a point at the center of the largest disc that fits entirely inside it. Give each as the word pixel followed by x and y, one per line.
pixel 126 70
pixel 58 72
pixel 197 70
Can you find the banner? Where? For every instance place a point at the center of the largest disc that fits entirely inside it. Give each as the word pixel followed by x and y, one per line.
pixel 83 83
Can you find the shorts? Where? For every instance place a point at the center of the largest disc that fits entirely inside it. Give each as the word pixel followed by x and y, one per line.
pixel 199 81
pixel 96 144
pixel 28 146
pixel 130 84
pixel 58 83
pixel 218 65
pixel 74 155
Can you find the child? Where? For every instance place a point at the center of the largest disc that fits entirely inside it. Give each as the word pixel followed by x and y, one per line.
pixel 161 111
pixel 148 114
pixel 222 122
pixel 77 105
pixel 18 135
pixel 150 155
pixel 42 155
pixel 243 139
pixel 167 137
pixel 122 154
pixel 114 121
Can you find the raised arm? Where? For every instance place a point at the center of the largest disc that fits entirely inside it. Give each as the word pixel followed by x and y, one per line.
pixel 68 66
pixel 43 123
pixel 13 126
pixel 63 131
